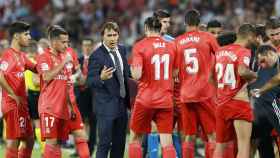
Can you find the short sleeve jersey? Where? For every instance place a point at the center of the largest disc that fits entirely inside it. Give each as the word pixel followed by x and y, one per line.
pixel 228 59
pixel 13 65
pixel 156 57
pixel 53 96
pixel 195 60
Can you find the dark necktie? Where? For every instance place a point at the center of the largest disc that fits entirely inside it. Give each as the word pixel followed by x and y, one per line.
pixel 119 73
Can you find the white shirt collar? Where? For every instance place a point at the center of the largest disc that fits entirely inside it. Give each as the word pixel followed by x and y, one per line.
pixel 108 49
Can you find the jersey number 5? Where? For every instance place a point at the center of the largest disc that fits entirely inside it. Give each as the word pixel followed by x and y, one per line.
pixel 157 60
pixel 226 77
pixel 190 58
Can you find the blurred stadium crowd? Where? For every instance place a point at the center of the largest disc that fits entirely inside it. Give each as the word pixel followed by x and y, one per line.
pixel 83 18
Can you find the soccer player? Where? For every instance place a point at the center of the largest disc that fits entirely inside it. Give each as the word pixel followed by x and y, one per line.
pixel 76 125
pixel 152 65
pixel 234 114
pixel 165 20
pixel 195 59
pixel 214 27
pixel 272 29
pixel 53 103
pixel 14 105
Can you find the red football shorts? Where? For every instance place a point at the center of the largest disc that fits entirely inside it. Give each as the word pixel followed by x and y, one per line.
pixel 178 121
pixel 226 114
pixel 19 124
pixel 198 114
pixel 53 127
pixel 142 117
pixel 76 123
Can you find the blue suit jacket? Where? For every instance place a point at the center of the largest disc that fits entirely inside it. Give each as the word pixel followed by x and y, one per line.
pixel 107 93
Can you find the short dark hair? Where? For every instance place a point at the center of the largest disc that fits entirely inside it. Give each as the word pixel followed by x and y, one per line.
pixel 110 26
pixel 18 27
pixel 214 24
pixel 153 24
pixel 260 31
pixel 160 13
pixel 264 49
pixel 88 39
pixel 226 38
pixel 246 30
pixel 192 18
pixel 272 23
pixel 55 31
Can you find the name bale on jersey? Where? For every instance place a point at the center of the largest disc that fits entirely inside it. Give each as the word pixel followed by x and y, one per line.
pixel 189 39
pixel 225 53
pixel 159 45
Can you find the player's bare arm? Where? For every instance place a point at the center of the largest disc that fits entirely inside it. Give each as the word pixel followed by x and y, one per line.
pixel 136 72
pixel 246 74
pixel 4 84
pixel 49 75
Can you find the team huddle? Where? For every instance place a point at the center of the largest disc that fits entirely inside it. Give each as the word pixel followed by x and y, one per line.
pixel 197 77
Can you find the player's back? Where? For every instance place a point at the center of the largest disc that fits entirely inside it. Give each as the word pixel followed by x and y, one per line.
pixel 229 82
pixel 195 51
pixel 156 84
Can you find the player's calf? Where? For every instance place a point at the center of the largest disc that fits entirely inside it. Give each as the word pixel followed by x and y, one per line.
pixel 243 131
pixel 26 147
pixel 81 143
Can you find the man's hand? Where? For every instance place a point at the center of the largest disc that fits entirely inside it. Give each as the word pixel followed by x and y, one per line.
pixel 255 93
pixel 106 73
pixel 17 99
pixel 68 58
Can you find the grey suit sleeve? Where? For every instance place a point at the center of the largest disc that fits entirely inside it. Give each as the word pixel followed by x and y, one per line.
pixel 94 70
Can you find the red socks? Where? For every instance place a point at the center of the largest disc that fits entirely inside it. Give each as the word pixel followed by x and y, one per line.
pixel 228 152
pixel 188 149
pixel 168 152
pixel 24 153
pixel 209 149
pixel 52 151
pixel 82 148
pixel 11 153
pixel 134 150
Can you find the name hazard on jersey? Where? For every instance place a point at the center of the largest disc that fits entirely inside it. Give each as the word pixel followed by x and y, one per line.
pixel 189 39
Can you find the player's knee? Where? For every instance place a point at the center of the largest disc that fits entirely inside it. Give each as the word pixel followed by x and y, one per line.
pixel 211 137
pixel 166 140
pixel 190 138
pixel 135 136
pixel 80 133
pixel 12 143
pixel 52 141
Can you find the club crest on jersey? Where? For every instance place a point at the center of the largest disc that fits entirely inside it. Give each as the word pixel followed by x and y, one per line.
pixel 69 66
pixel 44 66
pixel 159 45
pixel 4 65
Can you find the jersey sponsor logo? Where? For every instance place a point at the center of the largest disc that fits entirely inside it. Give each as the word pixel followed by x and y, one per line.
pixel 44 67
pixel 189 39
pixel 4 65
pixel 225 53
pixel 246 61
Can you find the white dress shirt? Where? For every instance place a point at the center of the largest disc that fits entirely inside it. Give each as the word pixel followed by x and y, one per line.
pixel 112 57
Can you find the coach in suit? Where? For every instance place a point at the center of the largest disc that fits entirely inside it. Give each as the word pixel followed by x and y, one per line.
pixel 108 77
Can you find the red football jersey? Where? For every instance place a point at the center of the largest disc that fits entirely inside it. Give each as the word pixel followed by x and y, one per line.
pixel 156 57
pixel 71 68
pixel 195 59
pixel 13 65
pixel 53 95
pixel 229 82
